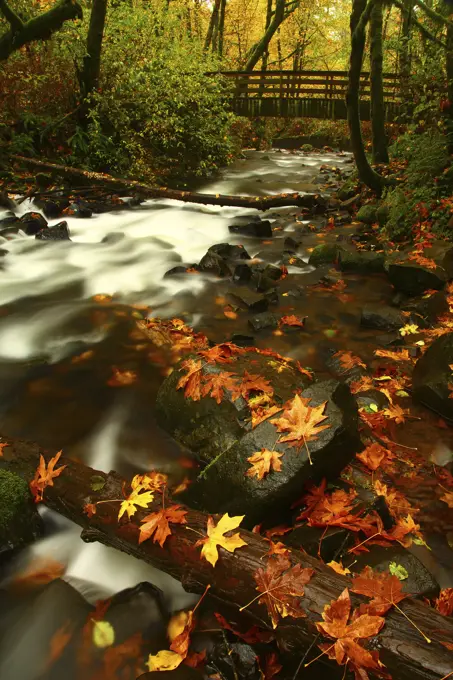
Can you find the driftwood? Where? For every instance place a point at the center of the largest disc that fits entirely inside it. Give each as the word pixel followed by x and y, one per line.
pixel 401 648
pixel 258 203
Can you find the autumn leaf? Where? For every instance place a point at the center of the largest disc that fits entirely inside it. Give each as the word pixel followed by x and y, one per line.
pixel 444 603
pixel 448 498
pixel 365 383
pixel 216 537
pixel 291 320
pixel 215 384
pixel 2 446
pixel 157 524
pixel 346 649
pixel 396 413
pixel 383 590
pixel 338 568
pixel 396 502
pixel 409 329
pixel 278 549
pixel 191 381
pixel 260 414
pixel 402 355
pixel 40 572
pixel 348 360
pixel 252 383
pixel 262 462
pixel 178 631
pixel 282 586
pixel 301 421
pixel 272 666
pixel 139 496
pixel 224 353
pixel 422 261
pixel 58 643
pixel 90 509
pixel 44 476
pixel 251 636
pixel 121 378
pixel 165 660
pixel 373 456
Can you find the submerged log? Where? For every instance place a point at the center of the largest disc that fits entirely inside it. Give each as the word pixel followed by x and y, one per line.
pixel 256 202
pixel 405 653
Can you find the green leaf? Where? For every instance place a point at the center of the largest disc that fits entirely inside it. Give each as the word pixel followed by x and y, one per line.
pixel 103 634
pixel 398 570
pixel 97 482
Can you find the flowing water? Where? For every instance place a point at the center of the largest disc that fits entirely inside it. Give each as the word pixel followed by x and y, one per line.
pixel 50 315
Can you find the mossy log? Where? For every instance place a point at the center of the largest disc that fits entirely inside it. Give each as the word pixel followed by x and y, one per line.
pixel 121 185
pixel 402 649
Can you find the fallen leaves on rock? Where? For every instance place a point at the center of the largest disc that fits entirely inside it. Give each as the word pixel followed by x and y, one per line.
pixel 262 462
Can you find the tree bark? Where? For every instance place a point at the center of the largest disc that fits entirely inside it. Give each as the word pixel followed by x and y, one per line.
pixel 40 28
pixel 89 80
pixel 213 22
pixel 221 27
pixel 380 151
pixel 282 11
pixel 404 52
pixel 360 14
pixel 404 652
pixel 127 185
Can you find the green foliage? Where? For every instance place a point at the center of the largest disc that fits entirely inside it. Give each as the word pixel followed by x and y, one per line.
pixel 426 155
pixel 14 497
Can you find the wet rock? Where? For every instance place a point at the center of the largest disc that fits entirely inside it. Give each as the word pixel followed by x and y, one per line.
pixel 307 148
pixel 367 213
pixel 52 207
pixel 59 232
pixel 348 189
pixel 247 299
pixel 350 203
pixel 334 363
pixel 369 397
pixel 316 541
pixel 224 486
pixel 230 252
pixel 272 296
pixel 243 340
pixel 291 244
pixel 43 180
pixel 113 237
pixel 211 263
pixel 9 225
pixel 20 523
pixel 138 609
pixel 360 262
pixel 342 218
pixel 382 317
pixel 291 260
pixel 260 229
pixel 262 321
pixel 81 209
pixel 420 582
pixel 429 308
pixel 432 376
pixel 413 278
pixel 242 273
pixel 32 222
pixel 325 253
pixel 6 201
pixel 390 339
pixel 383 214
pixel 175 271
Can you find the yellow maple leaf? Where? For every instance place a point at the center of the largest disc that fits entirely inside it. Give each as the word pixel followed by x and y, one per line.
pixel 302 422
pixel 139 496
pixel 338 567
pixel 262 462
pixel 216 536
pixel 165 660
pixel 409 329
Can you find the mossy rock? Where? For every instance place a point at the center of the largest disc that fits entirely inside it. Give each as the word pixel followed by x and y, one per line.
pixel 307 147
pixel 20 523
pixel 432 377
pixel 367 213
pixel 349 189
pixel 325 253
pixel 412 278
pixel 383 214
pixel 360 262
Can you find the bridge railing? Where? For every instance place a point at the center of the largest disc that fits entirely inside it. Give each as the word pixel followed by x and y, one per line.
pixel 296 84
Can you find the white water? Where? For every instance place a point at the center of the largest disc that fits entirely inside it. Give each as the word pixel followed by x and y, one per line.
pixel 157 235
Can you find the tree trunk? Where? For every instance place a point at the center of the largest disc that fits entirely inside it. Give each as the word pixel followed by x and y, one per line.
pixel 127 185
pixel 281 12
pixel 402 649
pixel 359 18
pixel 212 24
pixel 40 28
pixel 449 69
pixel 404 53
pixel 380 151
pixel 265 58
pixel 92 61
pixel 221 27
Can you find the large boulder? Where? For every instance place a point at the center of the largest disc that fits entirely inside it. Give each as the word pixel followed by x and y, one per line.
pixel 360 261
pixel 367 213
pixel 325 253
pixel 223 436
pixel 20 523
pixel 412 274
pixel 432 380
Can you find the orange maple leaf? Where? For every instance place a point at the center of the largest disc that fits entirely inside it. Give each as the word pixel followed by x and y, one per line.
pixel 423 261
pixel 397 503
pixel 282 586
pixel 260 414
pixel 44 476
pixel 348 360
pixel 363 385
pixel 346 649
pixel 251 383
pixel 2 446
pixel 158 523
pixel 336 509
pixel 291 320
pixel 225 353
pixel 251 636
pixel 383 589
pixel 301 421
pixel 403 355
pixel 215 384
pixel 262 462
pixel 444 603
pixel 396 413
pixel 191 381
pixel 179 629
pixel 373 456
pixel 121 378
pixel 448 498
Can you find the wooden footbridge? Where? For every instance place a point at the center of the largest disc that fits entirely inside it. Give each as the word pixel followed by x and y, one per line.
pixel 305 94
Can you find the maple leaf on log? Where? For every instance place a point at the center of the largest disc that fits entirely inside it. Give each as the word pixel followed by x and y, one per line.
pixel 158 523
pixel 44 476
pixel 301 421
pixel 191 381
pixel 216 536
pixel 444 603
pixel 335 509
pixel 383 589
pixel 260 414
pixel 448 498
pixel 346 649
pixel 262 462
pixel 348 360
pixel 282 586
pixel 139 496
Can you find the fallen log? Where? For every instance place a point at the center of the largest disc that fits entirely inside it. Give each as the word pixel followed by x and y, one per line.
pixel 406 655
pixel 256 202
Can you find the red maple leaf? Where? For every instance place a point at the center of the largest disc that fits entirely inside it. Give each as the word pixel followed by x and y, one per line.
pixel 383 589
pixel 215 384
pixel 191 381
pixel 251 383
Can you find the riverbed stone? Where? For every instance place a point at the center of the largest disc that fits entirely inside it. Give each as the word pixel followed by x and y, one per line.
pixel 360 261
pixel 59 232
pixel 53 207
pixel 260 229
pixel 413 278
pixel 230 252
pixel 20 523
pixel 248 299
pixel 382 317
pixel 324 253
pixel 32 222
pixel 367 213
pixel 211 263
pixel 259 322
pixel 432 377
pixel 224 486
pixel 429 308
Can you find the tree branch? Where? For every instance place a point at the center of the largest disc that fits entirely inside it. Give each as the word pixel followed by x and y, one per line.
pixel 424 31
pixel 38 28
pixel 14 20
pixel 435 16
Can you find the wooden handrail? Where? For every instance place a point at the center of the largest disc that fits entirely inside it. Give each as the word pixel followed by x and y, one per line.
pixel 254 74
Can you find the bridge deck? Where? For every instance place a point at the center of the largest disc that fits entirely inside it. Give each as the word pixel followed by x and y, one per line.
pixel 305 94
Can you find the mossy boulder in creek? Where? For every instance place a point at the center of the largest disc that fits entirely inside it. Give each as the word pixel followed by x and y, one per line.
pixel 367 213
pixel 226 485
pixel 413 273
pixel 432 376
pixel 360 261
pixel 20 523
pixel 325 253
